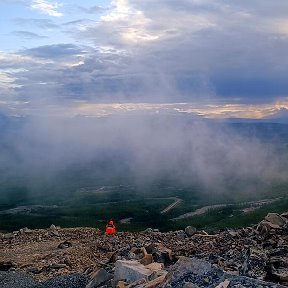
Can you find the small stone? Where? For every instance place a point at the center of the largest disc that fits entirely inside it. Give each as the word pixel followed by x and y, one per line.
pixel 5 266
pixel 121 284
pixel 206 280
pixel 155 267
pixel 8 236
pixel 34 270
pixel 223 284
pixel 147 259
pixel 25 230
pixel 190 285
pixel 67 261
pixel 57 266
pixel 233 233
pixel 64 245
pixel 148 230
pixel 55 233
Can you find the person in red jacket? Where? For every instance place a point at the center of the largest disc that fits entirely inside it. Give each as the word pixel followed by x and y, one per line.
pixel 110 228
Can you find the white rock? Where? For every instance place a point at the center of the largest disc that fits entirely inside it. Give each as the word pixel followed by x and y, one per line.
pixel 130 271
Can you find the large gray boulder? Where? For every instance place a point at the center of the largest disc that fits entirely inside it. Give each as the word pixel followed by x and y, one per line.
pixel 203 274
pixel 275 219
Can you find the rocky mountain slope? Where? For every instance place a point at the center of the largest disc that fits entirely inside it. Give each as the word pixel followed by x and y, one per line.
pixel 85 257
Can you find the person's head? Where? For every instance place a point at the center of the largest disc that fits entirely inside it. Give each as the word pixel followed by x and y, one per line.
pixel 111 222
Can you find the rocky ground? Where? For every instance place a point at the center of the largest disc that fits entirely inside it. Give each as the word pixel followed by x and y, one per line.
pixel 85 257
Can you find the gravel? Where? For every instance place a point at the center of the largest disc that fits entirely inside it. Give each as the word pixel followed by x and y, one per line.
pixel 17 280
pixel 76 280
pixel 22 280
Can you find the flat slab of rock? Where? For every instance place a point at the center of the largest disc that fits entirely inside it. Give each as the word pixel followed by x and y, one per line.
pixel 130 271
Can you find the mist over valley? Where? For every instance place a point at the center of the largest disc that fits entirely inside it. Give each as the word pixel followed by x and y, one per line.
pixel 84 170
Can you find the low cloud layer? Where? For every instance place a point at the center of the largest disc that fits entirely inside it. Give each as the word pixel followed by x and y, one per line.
pixel 142 151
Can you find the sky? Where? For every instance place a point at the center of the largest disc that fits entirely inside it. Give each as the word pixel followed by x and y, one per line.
pixel 208 58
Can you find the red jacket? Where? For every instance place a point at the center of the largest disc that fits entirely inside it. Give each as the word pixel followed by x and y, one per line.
pixel 110 228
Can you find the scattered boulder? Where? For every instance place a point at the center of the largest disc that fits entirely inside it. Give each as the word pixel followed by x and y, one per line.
pixel 34 270
pixel 55 233
pixel 160 253
pixel 275 219
pixel 8 236
pixel 98 278
pixel 190 231
pixel 203 274
pixel 5 266
pixel 25 230
pixel 130 271
pixel 147 259
pixel 57 266
pixel 148 230
pixel 64 245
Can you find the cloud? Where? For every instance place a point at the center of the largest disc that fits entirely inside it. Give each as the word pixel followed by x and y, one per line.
pixel 39 23
pixel 7 81
pixel 14 2
pixel 18 61
pixel 208 51
pixel 145 149
pixel 201 49
pixel 54 51
pixel 280 26
pixel 93 9
pixel 28 35
pixel 46 7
